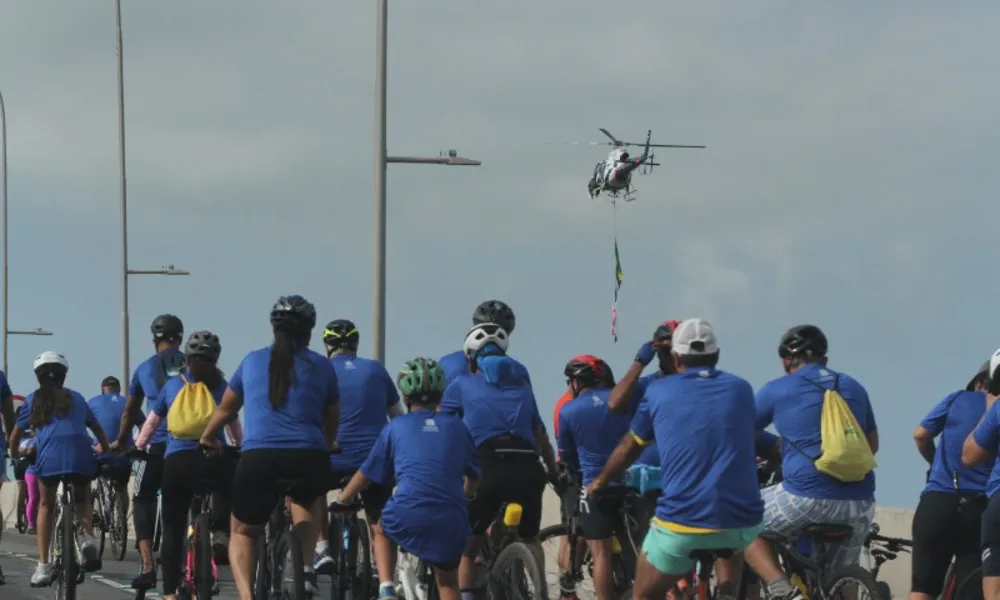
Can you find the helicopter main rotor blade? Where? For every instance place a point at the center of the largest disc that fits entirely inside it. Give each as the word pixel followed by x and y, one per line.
pixel 581 143
pixel 615 141
pixel 661 145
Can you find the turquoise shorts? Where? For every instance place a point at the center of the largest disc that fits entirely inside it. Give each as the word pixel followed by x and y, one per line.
pixel 670 552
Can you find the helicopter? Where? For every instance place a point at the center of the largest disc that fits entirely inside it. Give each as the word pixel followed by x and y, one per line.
pixel 613 175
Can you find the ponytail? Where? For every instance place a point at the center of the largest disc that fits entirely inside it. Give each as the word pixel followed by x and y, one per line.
pixel 50 400
pixel 281 369
pixel 205 371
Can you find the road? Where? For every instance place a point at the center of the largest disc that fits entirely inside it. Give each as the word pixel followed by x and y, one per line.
pixel 19 554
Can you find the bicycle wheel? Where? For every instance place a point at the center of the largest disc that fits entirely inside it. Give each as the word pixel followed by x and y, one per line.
pixel 262 578
pixel 22 512
pixel 861 579
pixel 68 573
pixel 551 540
pixel 100 527
pixel 971 587
pixel 341 581
pixel 119 526
pixel 363 565
pixel 298 575
pixel 516 575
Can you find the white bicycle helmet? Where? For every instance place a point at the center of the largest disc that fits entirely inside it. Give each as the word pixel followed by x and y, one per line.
pixel 49 358
pixel 482 334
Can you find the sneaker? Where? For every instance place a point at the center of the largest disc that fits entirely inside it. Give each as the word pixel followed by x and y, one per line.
pixel 323 563
pixel 42 576
pixel 312 588
pixel 91 553
pixel 387 592
pixel 145 581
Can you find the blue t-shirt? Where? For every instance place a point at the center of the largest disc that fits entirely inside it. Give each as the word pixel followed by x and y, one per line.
pixel 589 432
pixel 491 411
pixel 987 435
pixel 650 456
pixel 64 446
pixel 794 404
pixel 161 407
pixel 29 434
pixel 953 419
pixel 298 423
pixel 702 424
pixel 366 393
pixel 108 410
pixel 456 364
pixel 427 454
pixel 150 376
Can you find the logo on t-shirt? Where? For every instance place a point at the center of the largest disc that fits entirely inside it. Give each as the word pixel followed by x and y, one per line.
pixel 596 400
pixel 430 425
pixel 349 365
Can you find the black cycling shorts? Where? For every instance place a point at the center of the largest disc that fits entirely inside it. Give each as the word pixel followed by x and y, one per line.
pixel 508 478
pixel 601 515
pixel 373 497
pixel 20 468
pixel 149 475
pixel 945 525
pixel 265 475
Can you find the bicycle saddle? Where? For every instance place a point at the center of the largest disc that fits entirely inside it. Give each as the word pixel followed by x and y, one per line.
pixel 828 532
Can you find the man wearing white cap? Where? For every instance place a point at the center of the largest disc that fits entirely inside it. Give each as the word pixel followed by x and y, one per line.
pixel 702 422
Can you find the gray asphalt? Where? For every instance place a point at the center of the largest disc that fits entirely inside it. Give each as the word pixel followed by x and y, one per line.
pixel 19 554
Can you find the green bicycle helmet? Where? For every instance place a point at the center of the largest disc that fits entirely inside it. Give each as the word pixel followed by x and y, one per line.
pixel 419 378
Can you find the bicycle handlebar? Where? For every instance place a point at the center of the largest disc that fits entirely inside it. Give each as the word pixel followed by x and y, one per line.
pixel 898 543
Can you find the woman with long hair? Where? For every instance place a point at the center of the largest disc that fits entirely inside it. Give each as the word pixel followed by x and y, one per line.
pixel 60 418
pixel 184 463
pixel 290 411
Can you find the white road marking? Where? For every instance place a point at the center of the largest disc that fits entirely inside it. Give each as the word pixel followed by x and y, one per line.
pixel 97 578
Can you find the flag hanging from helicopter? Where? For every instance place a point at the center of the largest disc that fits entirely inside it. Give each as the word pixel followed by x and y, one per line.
pixel 618 284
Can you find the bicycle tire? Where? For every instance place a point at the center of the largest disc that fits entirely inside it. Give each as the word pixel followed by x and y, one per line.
pixel 971 587
pixel 98 515
pixel 513 553
pixel 363 566
pixel 841 575
pixel 202 546
pixel 119 527
pixel 552 531
pixel 298 574
pixel 22 512
pixel 69 569
pixel 339 582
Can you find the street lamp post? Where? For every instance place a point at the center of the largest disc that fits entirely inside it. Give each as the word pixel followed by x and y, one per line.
pixel 6 333
pixel 169 270
pixel 382 159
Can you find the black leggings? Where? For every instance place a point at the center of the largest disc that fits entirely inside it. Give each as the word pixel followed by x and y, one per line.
pixel 945 525
pixel 185 473
pixel 148 476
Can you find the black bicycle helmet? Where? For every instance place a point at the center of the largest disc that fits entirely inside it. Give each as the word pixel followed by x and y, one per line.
pixel 293 312
pixel 167 327
pixel 204 344
pixel 341 333
pixel 981 376
pixel 804 341
pixel 111 381
pixel 589 370
pixel 665 332
pixel 495 311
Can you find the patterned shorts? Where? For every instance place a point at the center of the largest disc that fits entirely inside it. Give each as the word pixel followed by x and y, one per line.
pixel 787 514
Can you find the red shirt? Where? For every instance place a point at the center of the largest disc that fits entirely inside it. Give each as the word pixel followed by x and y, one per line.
pixel 555 414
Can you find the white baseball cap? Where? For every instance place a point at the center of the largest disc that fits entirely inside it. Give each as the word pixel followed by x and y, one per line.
pixel 695 337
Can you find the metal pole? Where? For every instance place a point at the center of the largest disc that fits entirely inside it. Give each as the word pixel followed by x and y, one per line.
pixel 381 36
pixel 3 227
pixel 122 193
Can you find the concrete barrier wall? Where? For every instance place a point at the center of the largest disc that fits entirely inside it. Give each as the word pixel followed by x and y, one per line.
pixel 893 522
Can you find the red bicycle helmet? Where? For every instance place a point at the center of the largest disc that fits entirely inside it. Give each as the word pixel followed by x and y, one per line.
pixel 589 370
pixel 665 332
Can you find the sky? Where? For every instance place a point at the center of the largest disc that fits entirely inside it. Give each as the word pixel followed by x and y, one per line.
pixel 848 181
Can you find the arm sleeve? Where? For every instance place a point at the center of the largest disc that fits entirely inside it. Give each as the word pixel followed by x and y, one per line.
pixel 378 466
pixel 935 419
pixel 642 424
pixel 765 407
pixel 986 434
pixel 452 401
pixel 236 381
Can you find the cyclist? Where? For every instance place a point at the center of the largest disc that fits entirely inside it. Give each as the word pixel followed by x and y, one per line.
pixel 367 395
pixel 946 524
pixel 491 311
pixel 148 378
pixel 806 496
pixel 184 462
pixel 291 411
pixel 60 418
pixel 427 454
pixel 632 386
pixel 498 406
pixel 701 420
pixel 588 434
pixel 8 418
pixel 108 409
pixel 980 448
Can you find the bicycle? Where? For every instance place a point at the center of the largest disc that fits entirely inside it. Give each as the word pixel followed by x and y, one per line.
pixel 580 562
pixel 504 551
pixel 20 464
pixel 882 549
pixel 273 548
pixel 109 514
pixel 68 565
pixel 350 549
